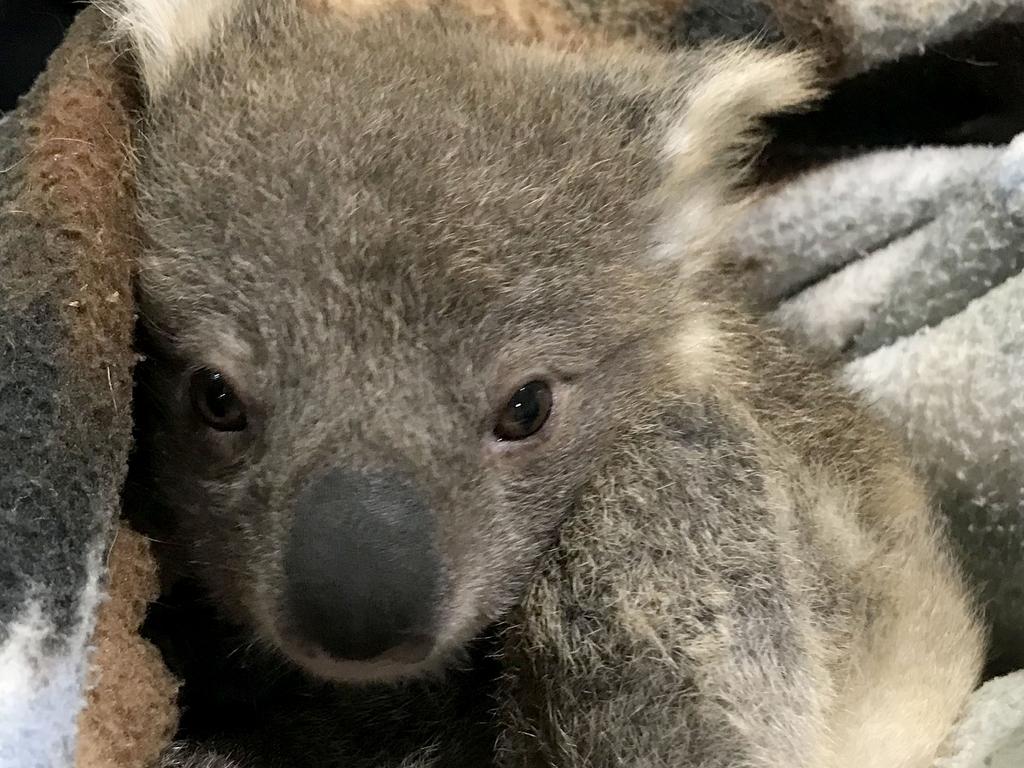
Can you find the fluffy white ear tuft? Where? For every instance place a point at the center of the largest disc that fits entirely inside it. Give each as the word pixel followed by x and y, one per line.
pixel 711 145
pixel 164 32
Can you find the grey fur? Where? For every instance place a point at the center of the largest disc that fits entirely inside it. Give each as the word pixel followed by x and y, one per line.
pixel 378 229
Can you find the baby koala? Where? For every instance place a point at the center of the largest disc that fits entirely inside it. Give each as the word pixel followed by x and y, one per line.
pixel 439 342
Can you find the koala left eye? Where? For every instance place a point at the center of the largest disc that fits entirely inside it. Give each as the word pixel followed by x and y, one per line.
pixel 216 402
pixel 525 412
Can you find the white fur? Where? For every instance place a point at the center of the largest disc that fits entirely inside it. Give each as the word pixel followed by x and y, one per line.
pixel 717 136
pixel 163 33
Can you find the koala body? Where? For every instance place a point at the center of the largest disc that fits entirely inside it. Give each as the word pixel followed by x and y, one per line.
pixel 439 348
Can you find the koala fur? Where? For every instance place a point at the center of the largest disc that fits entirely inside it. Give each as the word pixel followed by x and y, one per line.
pixel 376 226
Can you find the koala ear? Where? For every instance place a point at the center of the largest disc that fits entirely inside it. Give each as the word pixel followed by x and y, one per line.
pixel 715 136
pixel 162 33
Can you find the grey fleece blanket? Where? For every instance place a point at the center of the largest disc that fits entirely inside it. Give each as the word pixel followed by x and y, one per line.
pixel 906 264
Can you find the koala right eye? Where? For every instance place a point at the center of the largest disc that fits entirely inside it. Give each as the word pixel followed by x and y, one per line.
pixel 525 412
pixel 215 402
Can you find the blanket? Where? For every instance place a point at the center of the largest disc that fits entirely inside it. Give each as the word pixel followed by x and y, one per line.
pixel 904 264
pixel 66 320
pixel 907 266
pixel 852 36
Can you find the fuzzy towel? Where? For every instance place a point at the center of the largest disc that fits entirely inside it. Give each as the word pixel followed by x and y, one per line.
pixel 65 404
pixel 908 265
pixel 853 35
pixel 905 263
pixel 991 733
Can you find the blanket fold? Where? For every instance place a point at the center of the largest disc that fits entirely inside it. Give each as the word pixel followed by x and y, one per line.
pixel 908 266
pixel 66 321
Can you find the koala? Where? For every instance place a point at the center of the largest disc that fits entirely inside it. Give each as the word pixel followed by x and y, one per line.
pixel 439 351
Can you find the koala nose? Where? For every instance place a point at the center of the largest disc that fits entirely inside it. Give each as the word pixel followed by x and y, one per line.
pixel 361 569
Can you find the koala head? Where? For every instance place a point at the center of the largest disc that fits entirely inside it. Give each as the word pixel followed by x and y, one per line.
pixel 406 283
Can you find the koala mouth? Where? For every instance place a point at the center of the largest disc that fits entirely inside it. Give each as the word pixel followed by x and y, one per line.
pixel 416 657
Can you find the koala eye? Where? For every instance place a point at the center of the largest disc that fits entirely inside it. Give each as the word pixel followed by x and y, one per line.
pixel 525 412
pixel 216 402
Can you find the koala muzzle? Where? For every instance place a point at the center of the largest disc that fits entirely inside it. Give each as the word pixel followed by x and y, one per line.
pixel 362 572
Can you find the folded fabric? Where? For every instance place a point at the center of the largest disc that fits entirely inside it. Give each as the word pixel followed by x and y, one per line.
pixel 853 35
pixel 991 733
pixel 908 266
pixel 66 318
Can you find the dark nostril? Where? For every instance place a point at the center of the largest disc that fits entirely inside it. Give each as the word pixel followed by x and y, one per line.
pixel 362 571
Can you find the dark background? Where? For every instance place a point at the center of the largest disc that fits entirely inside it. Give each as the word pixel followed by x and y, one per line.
pixel 29 31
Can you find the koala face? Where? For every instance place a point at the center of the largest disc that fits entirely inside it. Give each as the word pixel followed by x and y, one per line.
pixel 399 286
